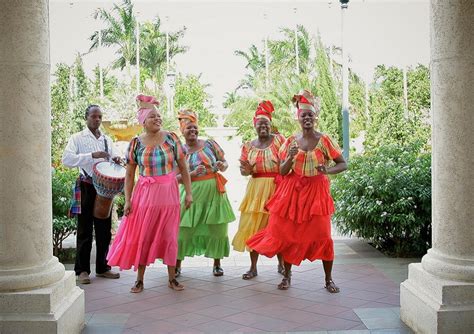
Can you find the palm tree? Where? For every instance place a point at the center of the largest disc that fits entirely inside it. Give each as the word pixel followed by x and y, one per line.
pixel 229 98
pixel 119 32
pixel 255 63
pixel 283 51
pixel 153 49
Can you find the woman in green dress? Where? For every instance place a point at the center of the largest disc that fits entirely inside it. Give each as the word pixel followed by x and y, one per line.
pixel 203 228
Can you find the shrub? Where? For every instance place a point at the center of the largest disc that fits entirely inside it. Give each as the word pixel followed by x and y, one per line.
pixel 63 227
pixel 119 202
pixel 62 187
pixel 385 197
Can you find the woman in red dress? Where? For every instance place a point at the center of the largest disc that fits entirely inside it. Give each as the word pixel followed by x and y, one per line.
pixel 299 226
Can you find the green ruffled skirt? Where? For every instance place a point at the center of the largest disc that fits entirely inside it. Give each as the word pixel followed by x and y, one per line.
pixel 203 227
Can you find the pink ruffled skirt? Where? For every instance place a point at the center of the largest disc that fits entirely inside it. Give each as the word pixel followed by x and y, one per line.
pixel 150 231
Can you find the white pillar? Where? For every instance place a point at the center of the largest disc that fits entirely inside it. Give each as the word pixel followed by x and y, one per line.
pixel 438 296
pixel 36 294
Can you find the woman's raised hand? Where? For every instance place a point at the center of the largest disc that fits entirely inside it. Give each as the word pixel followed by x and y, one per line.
pixel 293 149
pixel 245 167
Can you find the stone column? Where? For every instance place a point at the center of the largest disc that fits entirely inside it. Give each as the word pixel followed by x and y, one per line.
pixel 438 296
pixel 36 294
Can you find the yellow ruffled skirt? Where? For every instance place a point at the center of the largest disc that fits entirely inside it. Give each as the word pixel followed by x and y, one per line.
pixel 253 216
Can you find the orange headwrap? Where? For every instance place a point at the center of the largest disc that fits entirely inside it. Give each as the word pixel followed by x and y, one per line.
pixel 186 116
pixel 146 104
pixel 264 110
pixel 304 100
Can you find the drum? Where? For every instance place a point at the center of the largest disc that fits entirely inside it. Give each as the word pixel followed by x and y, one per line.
pixel 108 179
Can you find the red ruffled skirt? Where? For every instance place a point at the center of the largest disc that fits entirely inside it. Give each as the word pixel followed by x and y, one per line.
pixel 299 226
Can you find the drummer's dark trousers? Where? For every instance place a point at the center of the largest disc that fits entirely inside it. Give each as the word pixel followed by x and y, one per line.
pixel 86 223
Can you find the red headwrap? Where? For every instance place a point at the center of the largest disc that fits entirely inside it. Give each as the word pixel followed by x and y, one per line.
pixel 304 100
pixel 264 110
pixel 186 116
pixel 146 105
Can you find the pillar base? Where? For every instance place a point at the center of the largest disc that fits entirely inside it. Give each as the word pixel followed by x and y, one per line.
pixel 429 304
pixel 57 308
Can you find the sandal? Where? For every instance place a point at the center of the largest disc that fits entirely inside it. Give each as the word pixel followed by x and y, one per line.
pixel 285 282
pixel 249 275
pixel 281 269
pixel 137 287
pixel 177 272
pixel 218 271
pixel 331 286
pixel 175 285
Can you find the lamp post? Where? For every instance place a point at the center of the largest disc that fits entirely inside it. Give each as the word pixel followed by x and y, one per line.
pixel 170 90
pixel 266 53
pixel 137 31
pixel 367 101
pixel 170 80
pixel 167 18
pixel 101 75
pixel 405 93
pixel 296 43
pixel 345 85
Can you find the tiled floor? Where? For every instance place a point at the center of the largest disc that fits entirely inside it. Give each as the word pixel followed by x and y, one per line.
pixel 368 301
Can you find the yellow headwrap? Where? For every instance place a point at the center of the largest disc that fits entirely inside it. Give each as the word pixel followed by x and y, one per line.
pixel 186 116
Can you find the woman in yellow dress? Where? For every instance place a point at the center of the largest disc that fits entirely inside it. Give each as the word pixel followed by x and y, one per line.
pixel 259 159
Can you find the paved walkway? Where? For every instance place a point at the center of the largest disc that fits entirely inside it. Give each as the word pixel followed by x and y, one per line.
pixel 368 301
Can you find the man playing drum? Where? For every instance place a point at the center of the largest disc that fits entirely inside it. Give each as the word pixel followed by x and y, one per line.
pixel 83 150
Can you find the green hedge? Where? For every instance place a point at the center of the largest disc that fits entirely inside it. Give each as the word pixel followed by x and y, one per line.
pixel 62 186
pixel 385 197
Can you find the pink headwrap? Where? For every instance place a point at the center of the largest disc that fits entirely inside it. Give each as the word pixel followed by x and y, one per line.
pixel 146 105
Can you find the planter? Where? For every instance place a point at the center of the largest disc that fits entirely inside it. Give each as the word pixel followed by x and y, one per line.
pixel 221 132
pixel 121 130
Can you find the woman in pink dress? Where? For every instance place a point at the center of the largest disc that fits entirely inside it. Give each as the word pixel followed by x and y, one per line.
pixel 149 229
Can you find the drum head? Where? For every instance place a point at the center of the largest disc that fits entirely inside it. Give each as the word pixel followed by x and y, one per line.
pixel 110 169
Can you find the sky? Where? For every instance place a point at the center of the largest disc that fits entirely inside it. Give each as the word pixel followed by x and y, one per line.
pixel 392 32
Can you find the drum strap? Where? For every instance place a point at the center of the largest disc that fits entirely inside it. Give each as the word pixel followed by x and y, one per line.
pixel 88 178
pixel 85 177
pixel 106 145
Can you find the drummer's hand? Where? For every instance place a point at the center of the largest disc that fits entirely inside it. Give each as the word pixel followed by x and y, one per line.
pixel 188 200
pixel 127 208
pixel 100 155
pixel 117 160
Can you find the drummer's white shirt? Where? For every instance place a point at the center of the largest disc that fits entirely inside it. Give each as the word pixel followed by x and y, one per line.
pixel 79 149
